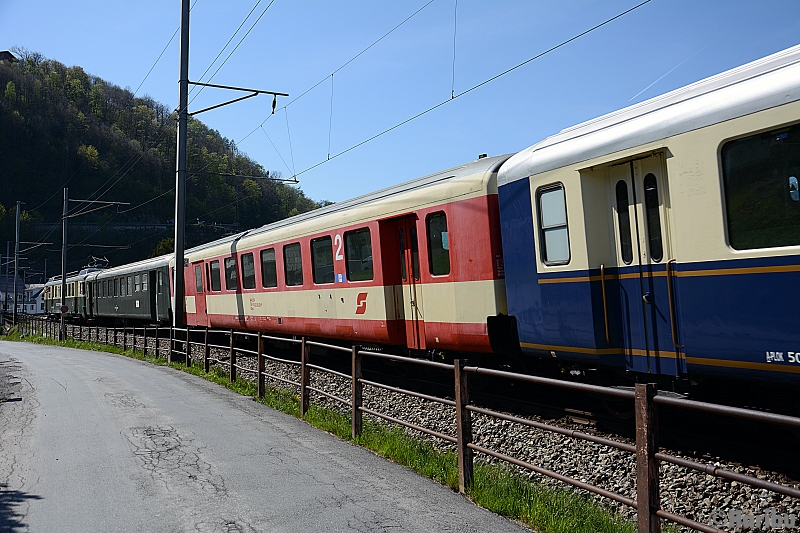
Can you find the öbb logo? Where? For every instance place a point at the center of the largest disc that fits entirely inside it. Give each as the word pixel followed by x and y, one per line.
pixel 361 303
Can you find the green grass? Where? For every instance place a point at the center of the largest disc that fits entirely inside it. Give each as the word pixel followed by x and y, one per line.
pixel 496 488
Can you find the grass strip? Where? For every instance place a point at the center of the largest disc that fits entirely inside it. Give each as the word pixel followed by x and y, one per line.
pixel 498 488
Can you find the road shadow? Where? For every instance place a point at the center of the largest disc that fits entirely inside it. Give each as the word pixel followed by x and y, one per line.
pixel 11 520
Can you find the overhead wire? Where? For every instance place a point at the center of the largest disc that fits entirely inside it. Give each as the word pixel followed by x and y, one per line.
pixel 382 37
pixel 474 87
pixel 455 30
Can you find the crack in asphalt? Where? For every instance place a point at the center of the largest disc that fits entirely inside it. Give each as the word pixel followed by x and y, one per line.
pixel 174 460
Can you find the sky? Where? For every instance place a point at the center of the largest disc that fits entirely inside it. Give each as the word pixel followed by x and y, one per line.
pixel 447 47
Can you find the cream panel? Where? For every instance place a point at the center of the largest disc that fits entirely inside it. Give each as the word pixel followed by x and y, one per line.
pixel 191 305
pixel 698 218
pixel 464 302
pixel 334 303
pixel 693 193
pixel 461 189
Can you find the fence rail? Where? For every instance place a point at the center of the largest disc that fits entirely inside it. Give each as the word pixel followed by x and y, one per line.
pixel 644 397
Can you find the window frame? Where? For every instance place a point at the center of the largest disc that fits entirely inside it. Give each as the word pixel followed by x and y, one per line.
pixel 263 270
pixel 428 218
pixel 723 181
pixel 286 268
pixel 218 287
pixel 314 262
pixel 241 269
pixel 541 229
pixel 198 278
pixel 347 254
pixel 231 265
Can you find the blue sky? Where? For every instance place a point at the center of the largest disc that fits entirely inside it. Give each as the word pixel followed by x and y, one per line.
pixel 298 43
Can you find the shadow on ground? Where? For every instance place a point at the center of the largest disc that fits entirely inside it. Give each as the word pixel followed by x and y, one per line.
pixel 10 501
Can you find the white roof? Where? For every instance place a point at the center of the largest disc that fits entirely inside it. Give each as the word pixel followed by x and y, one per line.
pixel 762 84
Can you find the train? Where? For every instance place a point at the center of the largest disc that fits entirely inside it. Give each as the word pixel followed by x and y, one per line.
pixel 660 240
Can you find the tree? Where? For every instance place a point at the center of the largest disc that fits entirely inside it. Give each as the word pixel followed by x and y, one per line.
pixel 11 92
pixel 164 247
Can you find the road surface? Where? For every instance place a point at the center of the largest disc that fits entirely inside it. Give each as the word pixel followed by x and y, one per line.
pixel 91 441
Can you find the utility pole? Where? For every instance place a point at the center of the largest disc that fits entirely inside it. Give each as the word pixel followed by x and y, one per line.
pixel 180 178
pixel 16 265
pixel 8 264
pixel 62 330
pixel 45 270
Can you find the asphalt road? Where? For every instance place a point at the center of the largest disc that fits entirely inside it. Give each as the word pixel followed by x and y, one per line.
pixel 98 442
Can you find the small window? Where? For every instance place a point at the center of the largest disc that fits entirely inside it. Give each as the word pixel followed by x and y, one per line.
pixel 105 289
pixel 322 260
pixel 358 249
pixel 130 286
pixel 438 244
pixel 160 282
pixel 762 199
pixel 269 269
pixel 624 220
pixel 116 287
pixel 230 273
pixel 293 264
pixel 653 217
pixel 402 239
pixel 553 223
pixel 136 279
pixel 414 252
pixel 122 286
pixel 198 279
pixel 248 272
pixel 144 282
pixel 215 281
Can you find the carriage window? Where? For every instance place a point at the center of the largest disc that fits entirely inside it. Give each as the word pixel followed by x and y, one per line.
pixel 104 289
pixel 116 287
pixel 136 283
pixel 293 264
pixel 130 286
pixel 230 273
pixel 198 279
pixel 248 272
pixel 554 234
pixel 762 200
pixel 438 244
pixel 624 219
pixel 653 217
pixel 322 260
pixel 269 269
pixel 160 282
pixel 358 249
pixel 215 282
pixel 144 282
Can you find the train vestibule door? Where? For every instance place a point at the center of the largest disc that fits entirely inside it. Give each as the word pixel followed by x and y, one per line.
pixel 647 313
pixel 410 278
pixel 199 294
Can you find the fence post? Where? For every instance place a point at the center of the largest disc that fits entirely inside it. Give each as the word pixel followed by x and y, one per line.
pixel 188 347
pixel 646 464
pixel 114 331
pixel 260 352
pixel 124 338
pixel 358 393
pixel 232 360
pixel 171 343
pixel 158 346
pixel 144 341
pixel 205 352
pixel 305 377
pixel 463 426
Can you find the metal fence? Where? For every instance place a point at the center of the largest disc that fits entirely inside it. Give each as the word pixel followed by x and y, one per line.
pixel 645 399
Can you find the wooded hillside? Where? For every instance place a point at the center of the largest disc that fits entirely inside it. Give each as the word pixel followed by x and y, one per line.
pixel 60 126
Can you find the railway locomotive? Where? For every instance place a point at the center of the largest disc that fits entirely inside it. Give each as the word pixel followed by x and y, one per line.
pixel 661 239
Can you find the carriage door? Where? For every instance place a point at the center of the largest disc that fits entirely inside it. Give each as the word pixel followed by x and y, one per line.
pixel 410 276
pixel 199 295
pixel 643 250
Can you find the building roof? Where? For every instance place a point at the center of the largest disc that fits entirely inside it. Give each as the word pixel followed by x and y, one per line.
pixel 768 82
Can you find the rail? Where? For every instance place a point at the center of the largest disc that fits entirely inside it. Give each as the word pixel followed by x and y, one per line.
pixel 645 398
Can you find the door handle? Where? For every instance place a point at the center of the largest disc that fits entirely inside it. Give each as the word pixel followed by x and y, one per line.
pixel 646 298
